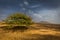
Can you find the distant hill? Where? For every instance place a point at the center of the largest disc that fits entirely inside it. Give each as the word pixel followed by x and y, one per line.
pixel 45 22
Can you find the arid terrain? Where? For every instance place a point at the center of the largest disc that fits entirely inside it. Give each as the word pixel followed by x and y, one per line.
pixel 35 32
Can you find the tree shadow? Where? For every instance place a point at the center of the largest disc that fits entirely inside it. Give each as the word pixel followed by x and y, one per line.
pixel 15 28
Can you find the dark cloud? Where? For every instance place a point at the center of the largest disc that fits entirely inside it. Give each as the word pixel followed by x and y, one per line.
pixel 43 3
pixel 46 3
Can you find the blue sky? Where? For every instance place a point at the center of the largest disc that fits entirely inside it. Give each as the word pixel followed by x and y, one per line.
pixel 40 10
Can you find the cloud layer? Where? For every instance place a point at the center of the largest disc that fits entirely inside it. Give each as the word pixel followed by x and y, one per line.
pixel 40 10
pixel 46 15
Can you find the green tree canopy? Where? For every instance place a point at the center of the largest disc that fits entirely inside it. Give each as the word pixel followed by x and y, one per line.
pixel 18 19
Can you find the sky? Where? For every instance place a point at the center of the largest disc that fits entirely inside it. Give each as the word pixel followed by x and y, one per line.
pixel 39 10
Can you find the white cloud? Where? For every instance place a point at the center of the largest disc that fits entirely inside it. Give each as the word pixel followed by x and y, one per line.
pixel 46 15
pixel 26 3
pixel 30 11
pixel 37 17
pixel 24 9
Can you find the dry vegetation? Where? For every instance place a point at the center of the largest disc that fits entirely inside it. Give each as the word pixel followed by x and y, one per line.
pixel 36 32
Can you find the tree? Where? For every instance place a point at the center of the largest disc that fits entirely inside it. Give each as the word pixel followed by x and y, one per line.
pixel 18 19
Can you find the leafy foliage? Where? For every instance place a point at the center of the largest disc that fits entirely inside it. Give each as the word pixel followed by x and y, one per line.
pixel 18 19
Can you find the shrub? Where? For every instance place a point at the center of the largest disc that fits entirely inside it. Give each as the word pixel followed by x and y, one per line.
pixel 18 19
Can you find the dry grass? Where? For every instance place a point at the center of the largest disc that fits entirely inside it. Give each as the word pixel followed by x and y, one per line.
pixel 40 34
